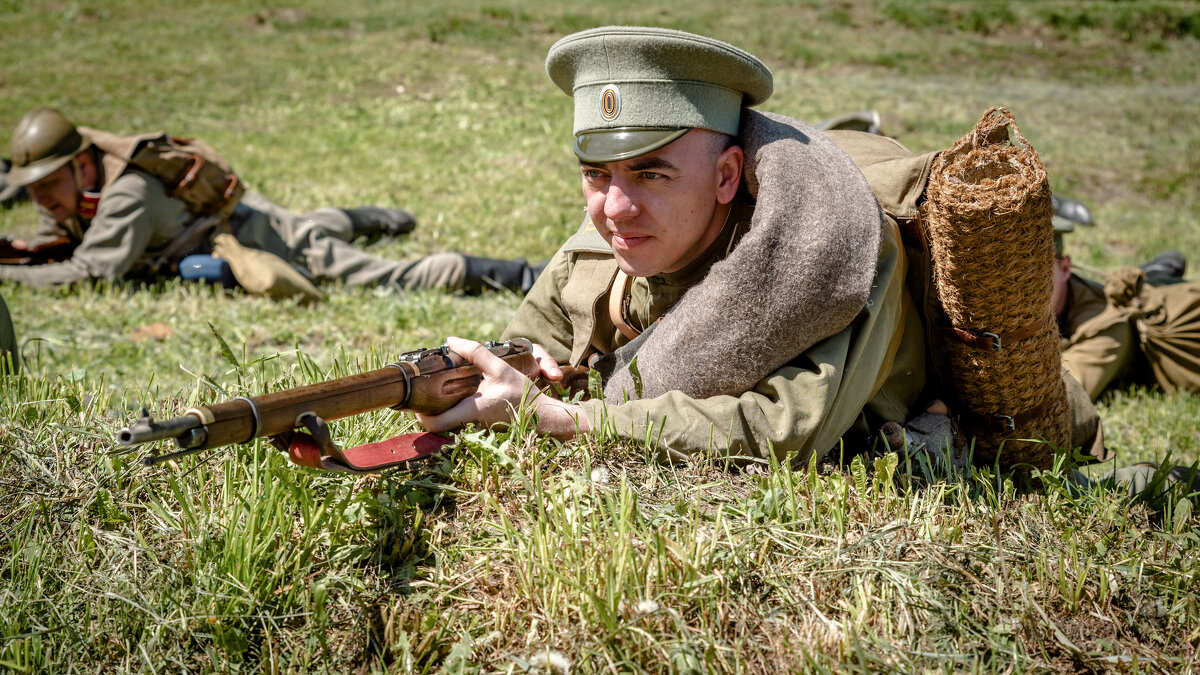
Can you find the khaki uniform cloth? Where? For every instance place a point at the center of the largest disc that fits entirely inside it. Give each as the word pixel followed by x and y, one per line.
pixel 1099 342
pixel 870 372
pixel 842 384
pixel 9 361
pixel 135 218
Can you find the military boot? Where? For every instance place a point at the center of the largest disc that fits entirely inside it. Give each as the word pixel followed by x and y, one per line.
pixel 373 222
pixel 1167 267
pixel 516 275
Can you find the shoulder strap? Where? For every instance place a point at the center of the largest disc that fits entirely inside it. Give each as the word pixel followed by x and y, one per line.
pixel 895 174
pixel 592 275
pixel 590 280
pixel 616 305
pixel 117 149
pixel 587 238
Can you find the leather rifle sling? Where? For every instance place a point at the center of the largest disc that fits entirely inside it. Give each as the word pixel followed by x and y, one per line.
pixel 304 450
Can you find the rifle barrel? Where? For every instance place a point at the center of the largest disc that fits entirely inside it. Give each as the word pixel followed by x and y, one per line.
pixel 146 430
pixel 426 380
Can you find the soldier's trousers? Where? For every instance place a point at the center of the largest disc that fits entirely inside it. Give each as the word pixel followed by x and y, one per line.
pixel 319 241
pixel 322 244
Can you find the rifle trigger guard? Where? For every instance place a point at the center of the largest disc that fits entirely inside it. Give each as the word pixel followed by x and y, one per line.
pixel 310 449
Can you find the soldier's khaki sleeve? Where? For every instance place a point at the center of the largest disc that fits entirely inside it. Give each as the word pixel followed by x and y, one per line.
pixel 48 229
pixel 804 407
pixel 799 409
pixel 876 364
pixel 541 316
pixel 116 238
pixel 52 274
pixel 1101 350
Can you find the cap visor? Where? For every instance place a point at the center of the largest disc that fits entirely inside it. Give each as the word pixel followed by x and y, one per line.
pixel 615 145
pixel 19 176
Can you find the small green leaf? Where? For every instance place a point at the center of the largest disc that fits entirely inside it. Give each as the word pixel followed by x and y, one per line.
pixel 637 377
pixel 595 384
pixel 1183 513
pixel 225 350
pixel 859 469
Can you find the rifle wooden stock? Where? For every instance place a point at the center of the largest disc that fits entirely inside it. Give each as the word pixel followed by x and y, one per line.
pixel 55 250
pixel 428 381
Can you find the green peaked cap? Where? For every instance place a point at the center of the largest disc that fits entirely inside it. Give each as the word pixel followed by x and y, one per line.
pixel 637 89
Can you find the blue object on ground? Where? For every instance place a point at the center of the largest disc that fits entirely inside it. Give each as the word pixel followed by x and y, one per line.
pixel 208 269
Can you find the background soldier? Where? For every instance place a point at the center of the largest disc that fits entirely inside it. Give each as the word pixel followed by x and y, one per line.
pixel 1100 343
pixel 119 222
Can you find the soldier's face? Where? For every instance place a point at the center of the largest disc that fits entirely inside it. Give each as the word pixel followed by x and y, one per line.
pixel 1062 272
pixel 57 193
pixel 660 211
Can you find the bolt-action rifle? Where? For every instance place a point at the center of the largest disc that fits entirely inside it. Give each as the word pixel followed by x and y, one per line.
pixel 428 381
pixel 54 250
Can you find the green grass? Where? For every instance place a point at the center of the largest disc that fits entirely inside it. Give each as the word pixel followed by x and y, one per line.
pixel 514 554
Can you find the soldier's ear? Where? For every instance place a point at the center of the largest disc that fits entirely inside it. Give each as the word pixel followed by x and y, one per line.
pixel 729 173
pixel 87 173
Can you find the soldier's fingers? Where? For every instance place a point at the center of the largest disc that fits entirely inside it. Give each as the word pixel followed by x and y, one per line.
pixel 547 363
pixel 458 415
pixel 488 363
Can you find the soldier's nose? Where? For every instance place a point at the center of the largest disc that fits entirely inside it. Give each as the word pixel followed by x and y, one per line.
pixel 618 204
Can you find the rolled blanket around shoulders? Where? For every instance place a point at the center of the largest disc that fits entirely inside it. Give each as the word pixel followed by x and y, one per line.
pixel 801 273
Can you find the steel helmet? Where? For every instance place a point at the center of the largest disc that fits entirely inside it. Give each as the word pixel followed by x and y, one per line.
pixel 43 141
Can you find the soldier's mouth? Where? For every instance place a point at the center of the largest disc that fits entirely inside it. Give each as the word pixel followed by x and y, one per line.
pixel 628 242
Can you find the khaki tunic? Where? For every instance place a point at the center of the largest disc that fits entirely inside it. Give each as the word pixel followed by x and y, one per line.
pixel 869 373
pixel 136 218
pixel 1099 343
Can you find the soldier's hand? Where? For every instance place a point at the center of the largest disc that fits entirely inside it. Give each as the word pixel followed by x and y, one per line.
pixel 501 393
pixel 548 364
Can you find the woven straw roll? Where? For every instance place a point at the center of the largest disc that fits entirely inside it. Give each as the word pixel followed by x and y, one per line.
pixel 988 217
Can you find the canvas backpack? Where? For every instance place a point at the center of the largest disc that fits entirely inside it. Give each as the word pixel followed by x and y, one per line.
pixel 1167 319
pixel 188 168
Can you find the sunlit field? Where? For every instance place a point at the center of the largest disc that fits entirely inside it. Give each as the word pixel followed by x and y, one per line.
pixel 513 553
